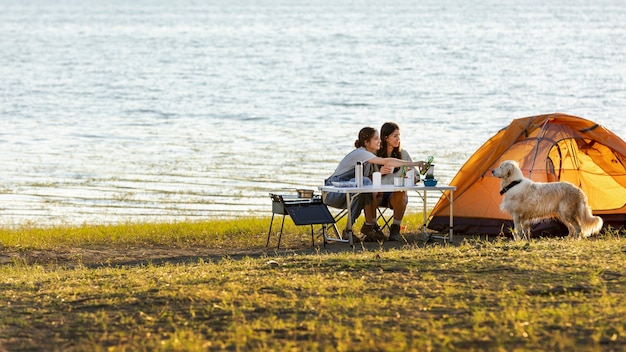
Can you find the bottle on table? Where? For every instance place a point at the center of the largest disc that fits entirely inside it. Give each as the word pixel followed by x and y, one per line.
pixel 427 165
pixel 358 174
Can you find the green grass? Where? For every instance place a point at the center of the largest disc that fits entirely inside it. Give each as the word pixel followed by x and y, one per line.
pixel 232 233
pixel 235 233
pixel 548 294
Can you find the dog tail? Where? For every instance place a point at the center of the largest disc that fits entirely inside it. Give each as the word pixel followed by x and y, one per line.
pixel 590 224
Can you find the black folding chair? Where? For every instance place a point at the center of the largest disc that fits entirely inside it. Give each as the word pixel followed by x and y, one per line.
pixel 303 211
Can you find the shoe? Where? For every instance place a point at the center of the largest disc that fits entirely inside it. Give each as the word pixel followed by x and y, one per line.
pixel 372 233
pixel 394 233
pixel 346 236
pixel 380 236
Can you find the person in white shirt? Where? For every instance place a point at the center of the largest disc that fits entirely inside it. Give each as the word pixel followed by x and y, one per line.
pixel 366 146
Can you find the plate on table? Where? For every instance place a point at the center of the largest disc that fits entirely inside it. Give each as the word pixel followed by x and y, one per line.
pixel 343 184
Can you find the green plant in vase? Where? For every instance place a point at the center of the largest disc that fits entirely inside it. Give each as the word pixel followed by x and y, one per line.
pixel 430 180
pixel 428 172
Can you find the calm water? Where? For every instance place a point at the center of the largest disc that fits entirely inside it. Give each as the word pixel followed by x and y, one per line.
pixel 162 111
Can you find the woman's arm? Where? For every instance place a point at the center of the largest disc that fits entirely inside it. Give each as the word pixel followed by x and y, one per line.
pixel 393 162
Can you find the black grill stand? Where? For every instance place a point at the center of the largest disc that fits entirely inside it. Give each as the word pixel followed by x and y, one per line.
pixel 303 211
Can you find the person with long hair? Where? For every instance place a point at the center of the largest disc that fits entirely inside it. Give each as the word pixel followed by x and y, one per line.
pixel 397 201
pixel 367 144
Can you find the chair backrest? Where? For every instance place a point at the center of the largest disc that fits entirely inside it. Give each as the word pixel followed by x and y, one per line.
pixel 309 213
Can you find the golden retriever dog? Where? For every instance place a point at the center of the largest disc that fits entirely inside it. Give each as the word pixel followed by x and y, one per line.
pixel 528 201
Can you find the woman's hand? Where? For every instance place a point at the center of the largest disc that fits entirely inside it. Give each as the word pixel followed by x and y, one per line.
pixel 420 165
pixel 385 170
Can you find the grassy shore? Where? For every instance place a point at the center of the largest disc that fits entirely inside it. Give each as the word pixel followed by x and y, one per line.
pixel 215 286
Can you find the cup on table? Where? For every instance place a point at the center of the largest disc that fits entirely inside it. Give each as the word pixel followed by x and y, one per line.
pixel 409 180
pixel 398 181
pixel 376 179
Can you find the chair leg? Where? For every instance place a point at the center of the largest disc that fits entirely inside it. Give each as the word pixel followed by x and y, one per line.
pixel 325 230
pixel 386 221
pixel 280 235
pixel 270 231
pixel 312 236
pixel 336 230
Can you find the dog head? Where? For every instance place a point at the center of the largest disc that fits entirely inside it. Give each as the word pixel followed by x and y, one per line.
pixel 507 169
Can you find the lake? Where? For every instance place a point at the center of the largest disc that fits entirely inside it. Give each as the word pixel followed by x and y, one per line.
pixel 153 110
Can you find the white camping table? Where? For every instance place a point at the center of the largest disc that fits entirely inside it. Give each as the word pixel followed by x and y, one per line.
pixel 422 191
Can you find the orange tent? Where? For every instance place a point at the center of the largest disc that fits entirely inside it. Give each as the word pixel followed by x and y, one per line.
pixel 554 147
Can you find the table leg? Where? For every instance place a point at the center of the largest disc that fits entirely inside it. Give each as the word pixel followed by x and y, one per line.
pixel 424 213
pixel 349 223
pixel 451 216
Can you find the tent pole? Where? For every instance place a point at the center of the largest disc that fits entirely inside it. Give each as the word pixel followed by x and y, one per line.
pixel 539 138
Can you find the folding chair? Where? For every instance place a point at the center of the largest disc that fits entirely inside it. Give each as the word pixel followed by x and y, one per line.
pixel 386 220
pixel 303 212
pixel 340 214
pixel 343 212
pixel 338 235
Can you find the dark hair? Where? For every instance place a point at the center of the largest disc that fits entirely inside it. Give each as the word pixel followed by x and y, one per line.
pixel 365 134
pixel 385 131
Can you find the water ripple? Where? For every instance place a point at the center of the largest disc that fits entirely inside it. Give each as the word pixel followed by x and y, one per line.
pixel 161 111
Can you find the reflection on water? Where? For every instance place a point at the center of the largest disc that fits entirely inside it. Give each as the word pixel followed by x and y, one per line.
pixel 117 112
